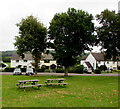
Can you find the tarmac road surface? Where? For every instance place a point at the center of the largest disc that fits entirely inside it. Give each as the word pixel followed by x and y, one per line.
pixel 62 74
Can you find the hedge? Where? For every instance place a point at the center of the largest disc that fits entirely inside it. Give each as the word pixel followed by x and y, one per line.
pixel 97 71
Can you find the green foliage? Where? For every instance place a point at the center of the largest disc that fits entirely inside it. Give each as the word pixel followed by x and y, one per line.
pixel 8 69
pixel 43 67
pixel 72 33
pixel 72 69
pixel 109 33
pixel 32 38
pixel 8 63
pixel 97 71
pixel 59 70
pixel 76 69
pixel 118 67
pixel 103 67
pixel 23 69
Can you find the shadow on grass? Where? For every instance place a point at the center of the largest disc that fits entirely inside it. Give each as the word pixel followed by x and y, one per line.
pixel 55 86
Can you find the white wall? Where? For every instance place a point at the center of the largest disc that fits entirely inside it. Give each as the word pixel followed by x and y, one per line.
pixel 109 64
pixel 21 62
pixel 91 60
pixel 28 63
pixel 48 64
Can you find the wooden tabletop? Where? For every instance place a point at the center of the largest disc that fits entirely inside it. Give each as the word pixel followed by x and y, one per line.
pixel 55 79
pixel 28 80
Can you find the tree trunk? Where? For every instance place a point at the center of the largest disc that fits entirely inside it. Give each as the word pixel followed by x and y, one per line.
pixel 36 66
pixel 37 58
pixel 66 71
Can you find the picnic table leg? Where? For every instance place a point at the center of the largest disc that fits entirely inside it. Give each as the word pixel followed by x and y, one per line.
pixel 39 87
pixel 24 89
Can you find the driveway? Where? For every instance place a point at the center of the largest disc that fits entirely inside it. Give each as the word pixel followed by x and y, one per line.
pixel 62 74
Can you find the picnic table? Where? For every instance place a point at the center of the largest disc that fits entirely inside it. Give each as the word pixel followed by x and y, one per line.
pixel 58 81
pixel 28 83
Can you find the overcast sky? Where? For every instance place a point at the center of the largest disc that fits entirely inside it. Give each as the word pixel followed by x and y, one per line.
pixel 12 11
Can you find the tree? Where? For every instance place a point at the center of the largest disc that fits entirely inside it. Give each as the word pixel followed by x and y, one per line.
pixel 71 33
pixel 109 33
pixel 32 38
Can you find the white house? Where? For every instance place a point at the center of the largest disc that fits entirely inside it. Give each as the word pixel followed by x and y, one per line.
pixel 46 60
pixel 97 59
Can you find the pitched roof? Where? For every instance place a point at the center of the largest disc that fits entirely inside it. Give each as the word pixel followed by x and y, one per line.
pixel 98 56
pixel 89 65
pixel 83 57
pixel 29 57
pixel 47 57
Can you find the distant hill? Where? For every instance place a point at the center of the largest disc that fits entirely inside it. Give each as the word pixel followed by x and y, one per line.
pixel 5 56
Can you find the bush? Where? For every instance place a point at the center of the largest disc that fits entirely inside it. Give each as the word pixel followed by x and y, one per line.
pixel 97 71
pixel 47 70
pixel 118 67
pixel 59 70
pixel 8 69
pixel 23 69
pixel 103 67
pixel 43 67
pixel 40 70
pixel 76 69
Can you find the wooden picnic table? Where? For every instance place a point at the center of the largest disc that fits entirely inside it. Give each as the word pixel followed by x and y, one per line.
pixel 24 83
pixel 57 81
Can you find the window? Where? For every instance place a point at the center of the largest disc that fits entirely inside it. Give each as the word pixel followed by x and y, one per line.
pixel 17 60
pixel 99 62
pixel 25 60
pixel 46 61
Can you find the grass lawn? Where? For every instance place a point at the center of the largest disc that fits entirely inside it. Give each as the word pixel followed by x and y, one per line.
pixel 82 91
pixel 9 64
pixel 105 72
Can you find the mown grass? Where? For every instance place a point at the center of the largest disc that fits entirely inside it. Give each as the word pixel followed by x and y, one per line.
pixel 82 91
pixel 9 64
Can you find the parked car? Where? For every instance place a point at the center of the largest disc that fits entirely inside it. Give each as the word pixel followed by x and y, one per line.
pixel 17 71
pixel 29 71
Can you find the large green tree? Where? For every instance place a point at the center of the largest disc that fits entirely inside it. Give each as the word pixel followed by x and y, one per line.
pixel 108 33
pixel 71 33
pixel 32 38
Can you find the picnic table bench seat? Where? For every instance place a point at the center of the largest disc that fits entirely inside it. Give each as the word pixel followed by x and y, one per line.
pixel 56 83
pixel 38 85
pixel 28 83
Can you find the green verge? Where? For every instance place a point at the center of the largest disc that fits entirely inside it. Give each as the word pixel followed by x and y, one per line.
pixel 81 91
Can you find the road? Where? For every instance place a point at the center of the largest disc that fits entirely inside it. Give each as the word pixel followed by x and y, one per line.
pixel 62 74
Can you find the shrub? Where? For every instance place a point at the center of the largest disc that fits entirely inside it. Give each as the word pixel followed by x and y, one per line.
pixel 47 70
pixel 103 67
pixel 97 71
pixel 8 69
pixel 118 67
pixel 59 70
pixel 40 70
pixel 76 69
pixel 23 69
pixel 43 67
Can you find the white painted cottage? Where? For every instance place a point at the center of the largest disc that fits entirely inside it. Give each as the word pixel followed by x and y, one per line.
pixel 97 59
pixel 47 60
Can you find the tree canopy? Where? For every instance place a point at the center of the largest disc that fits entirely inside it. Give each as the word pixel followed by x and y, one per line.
pixel 72 33
pixel 32 38
pixel 109 33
